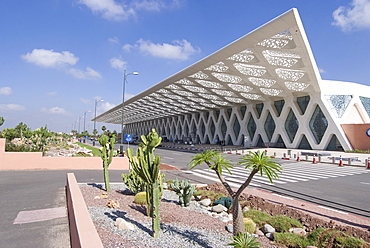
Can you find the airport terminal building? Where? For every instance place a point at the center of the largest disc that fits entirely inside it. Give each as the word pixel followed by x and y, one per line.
pixel 262 90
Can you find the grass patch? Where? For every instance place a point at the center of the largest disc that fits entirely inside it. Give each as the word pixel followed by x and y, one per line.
pixel 283 223
pixel 209 194
pixel 259 217
pixel 95 151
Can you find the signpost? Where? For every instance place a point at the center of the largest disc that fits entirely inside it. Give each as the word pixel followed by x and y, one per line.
pixel 128 139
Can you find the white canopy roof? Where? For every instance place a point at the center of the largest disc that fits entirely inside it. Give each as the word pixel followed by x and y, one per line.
pixel 272 62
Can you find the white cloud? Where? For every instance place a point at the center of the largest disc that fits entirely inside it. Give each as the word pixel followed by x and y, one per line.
pixel 357 16
pixel 85 101
pixel 179 50
pixel 114 40
pixel 53 93
pixel 12 107
pixel 56 111
pixel 49 58
pixel 6 91
pixel 128 96
pixel 109 9
pixel 88 74
pixel 104 106
pixel 117 63
pixel 156 5
pixel 127 47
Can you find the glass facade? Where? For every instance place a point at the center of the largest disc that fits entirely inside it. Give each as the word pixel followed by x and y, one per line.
pixel 236 127
pixel 259 108
pixel 303 102
pixel 318 124
pixel 251 127
pixel 279 105
pixel 304 144
pixel 291 125
pixel 269 126
pixel 334 144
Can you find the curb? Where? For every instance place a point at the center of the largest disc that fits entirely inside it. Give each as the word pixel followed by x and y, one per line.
pixel 82 229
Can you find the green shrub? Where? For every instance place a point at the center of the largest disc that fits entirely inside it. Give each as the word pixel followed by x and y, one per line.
pixel 140 198
pixel 358 151
pixel 259 217
pixel 249 225
pixel 291 240
pixel 283 223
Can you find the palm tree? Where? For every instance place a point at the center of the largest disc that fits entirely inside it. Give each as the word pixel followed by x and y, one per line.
pixel 254 161
pixel 1 120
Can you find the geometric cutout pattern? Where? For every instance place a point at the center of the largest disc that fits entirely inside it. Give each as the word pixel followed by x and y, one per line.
pixel 339 103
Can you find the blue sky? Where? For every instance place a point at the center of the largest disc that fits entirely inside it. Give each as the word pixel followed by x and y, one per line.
pixel 58 56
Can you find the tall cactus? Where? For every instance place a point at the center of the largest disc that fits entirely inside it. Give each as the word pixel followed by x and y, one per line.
pixel 146 166
pixel 106 154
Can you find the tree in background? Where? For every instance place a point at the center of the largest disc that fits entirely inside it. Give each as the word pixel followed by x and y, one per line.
pixel 2 120
pixel 256 162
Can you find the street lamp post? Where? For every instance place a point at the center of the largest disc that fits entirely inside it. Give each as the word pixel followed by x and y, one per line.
pixel 96 103
pixel 123 103
pixel 85 119
pixel 79 124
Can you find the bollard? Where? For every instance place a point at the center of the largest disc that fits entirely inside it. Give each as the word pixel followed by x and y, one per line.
pixel 298 157
pixel 368 163
pixel 284 155
pixel 333 160
pixel 295 156
pixel 319 158
pixel 349 161
pixel 306 157
pixel 274 154
pixel 341 161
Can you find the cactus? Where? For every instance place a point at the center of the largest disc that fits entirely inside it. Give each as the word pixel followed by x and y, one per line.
pixel 146 166
pixel 140 198
pixel 133 182
pixel 106 154
pixel 184 190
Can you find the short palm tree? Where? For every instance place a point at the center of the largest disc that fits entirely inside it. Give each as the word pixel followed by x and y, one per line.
pixel 255 161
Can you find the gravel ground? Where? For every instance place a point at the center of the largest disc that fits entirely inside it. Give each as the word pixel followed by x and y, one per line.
pixel 180 227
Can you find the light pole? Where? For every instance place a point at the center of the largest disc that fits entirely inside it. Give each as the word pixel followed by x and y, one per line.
pixel 79 124
pixel 88 111
pixel 96 103
pixel 123 103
